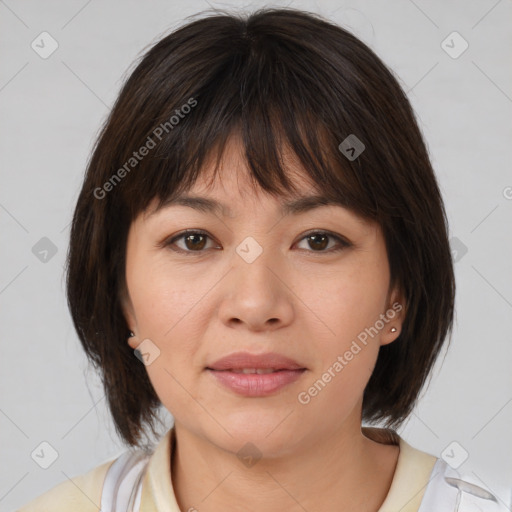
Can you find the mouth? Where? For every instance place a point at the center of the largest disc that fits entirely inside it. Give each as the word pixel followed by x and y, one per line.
pixel 245 362
pixel 258 371
pixel 255 382
pixel 255 375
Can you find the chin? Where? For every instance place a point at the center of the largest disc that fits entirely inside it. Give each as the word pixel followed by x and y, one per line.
pixel 267 432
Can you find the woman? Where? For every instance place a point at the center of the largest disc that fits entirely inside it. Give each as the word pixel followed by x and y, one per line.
pixel 260 246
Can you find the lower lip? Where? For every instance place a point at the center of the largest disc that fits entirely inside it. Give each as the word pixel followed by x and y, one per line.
pixel 254 384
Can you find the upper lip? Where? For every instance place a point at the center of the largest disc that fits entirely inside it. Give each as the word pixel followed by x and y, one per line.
pixel 241 360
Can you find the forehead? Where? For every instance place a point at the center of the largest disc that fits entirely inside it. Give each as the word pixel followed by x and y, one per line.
pixel 234 176
pixel 217 190
pixel 218 201
pixel 227 189
pixel 225 199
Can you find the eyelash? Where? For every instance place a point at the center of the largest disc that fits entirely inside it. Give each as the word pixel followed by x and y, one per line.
pixel 343 244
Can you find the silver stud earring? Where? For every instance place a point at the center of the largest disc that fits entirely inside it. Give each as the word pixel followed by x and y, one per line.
pixel 132 334
pixel 393 329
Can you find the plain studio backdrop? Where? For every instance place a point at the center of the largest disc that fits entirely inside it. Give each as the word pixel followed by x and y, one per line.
pixel 453 59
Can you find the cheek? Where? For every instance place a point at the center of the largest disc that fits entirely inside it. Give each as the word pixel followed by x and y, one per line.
pixel 346 352
pixel 166 306
pixel 162 299
pixel 349 305
pixel 349 302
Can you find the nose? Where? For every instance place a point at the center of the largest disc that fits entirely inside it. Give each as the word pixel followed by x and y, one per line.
pixel 257 295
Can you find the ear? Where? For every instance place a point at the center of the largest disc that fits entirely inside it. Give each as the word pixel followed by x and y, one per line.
pixel 394 316
pixel 129 315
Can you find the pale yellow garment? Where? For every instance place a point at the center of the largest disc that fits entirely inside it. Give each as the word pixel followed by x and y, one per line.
pixel 83 493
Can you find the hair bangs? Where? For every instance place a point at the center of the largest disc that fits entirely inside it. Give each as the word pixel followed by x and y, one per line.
pixel 277 118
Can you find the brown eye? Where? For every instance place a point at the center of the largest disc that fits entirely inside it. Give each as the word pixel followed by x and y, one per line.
pixel 195 241
pixel 318 241
pixel 191 242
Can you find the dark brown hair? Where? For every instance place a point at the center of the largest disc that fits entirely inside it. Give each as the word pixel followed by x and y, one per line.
pixel 279 78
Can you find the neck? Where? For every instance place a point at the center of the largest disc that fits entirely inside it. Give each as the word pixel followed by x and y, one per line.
pixel 346 469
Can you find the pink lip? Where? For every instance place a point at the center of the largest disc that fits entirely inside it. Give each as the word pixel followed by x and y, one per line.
pixel 254 384
pixel 241 360
pixel 286 371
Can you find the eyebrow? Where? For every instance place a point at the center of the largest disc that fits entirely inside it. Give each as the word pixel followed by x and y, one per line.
pixel 206 205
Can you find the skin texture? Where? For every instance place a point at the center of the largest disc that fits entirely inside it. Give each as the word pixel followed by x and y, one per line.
pixel 295 299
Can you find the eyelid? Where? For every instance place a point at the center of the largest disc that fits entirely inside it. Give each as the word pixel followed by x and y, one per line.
pixel 342 241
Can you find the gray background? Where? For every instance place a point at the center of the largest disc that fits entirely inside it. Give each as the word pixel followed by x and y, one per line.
pixel 51 110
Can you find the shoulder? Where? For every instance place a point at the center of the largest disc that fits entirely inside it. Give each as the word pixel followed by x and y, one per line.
pixel 445 488
pixel 449 489
pixel 80 494
pixel 426 483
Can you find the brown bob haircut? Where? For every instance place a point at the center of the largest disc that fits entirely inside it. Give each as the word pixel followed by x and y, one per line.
pixel 279 78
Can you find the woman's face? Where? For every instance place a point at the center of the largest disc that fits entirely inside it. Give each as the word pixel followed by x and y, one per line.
pixel 258 280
